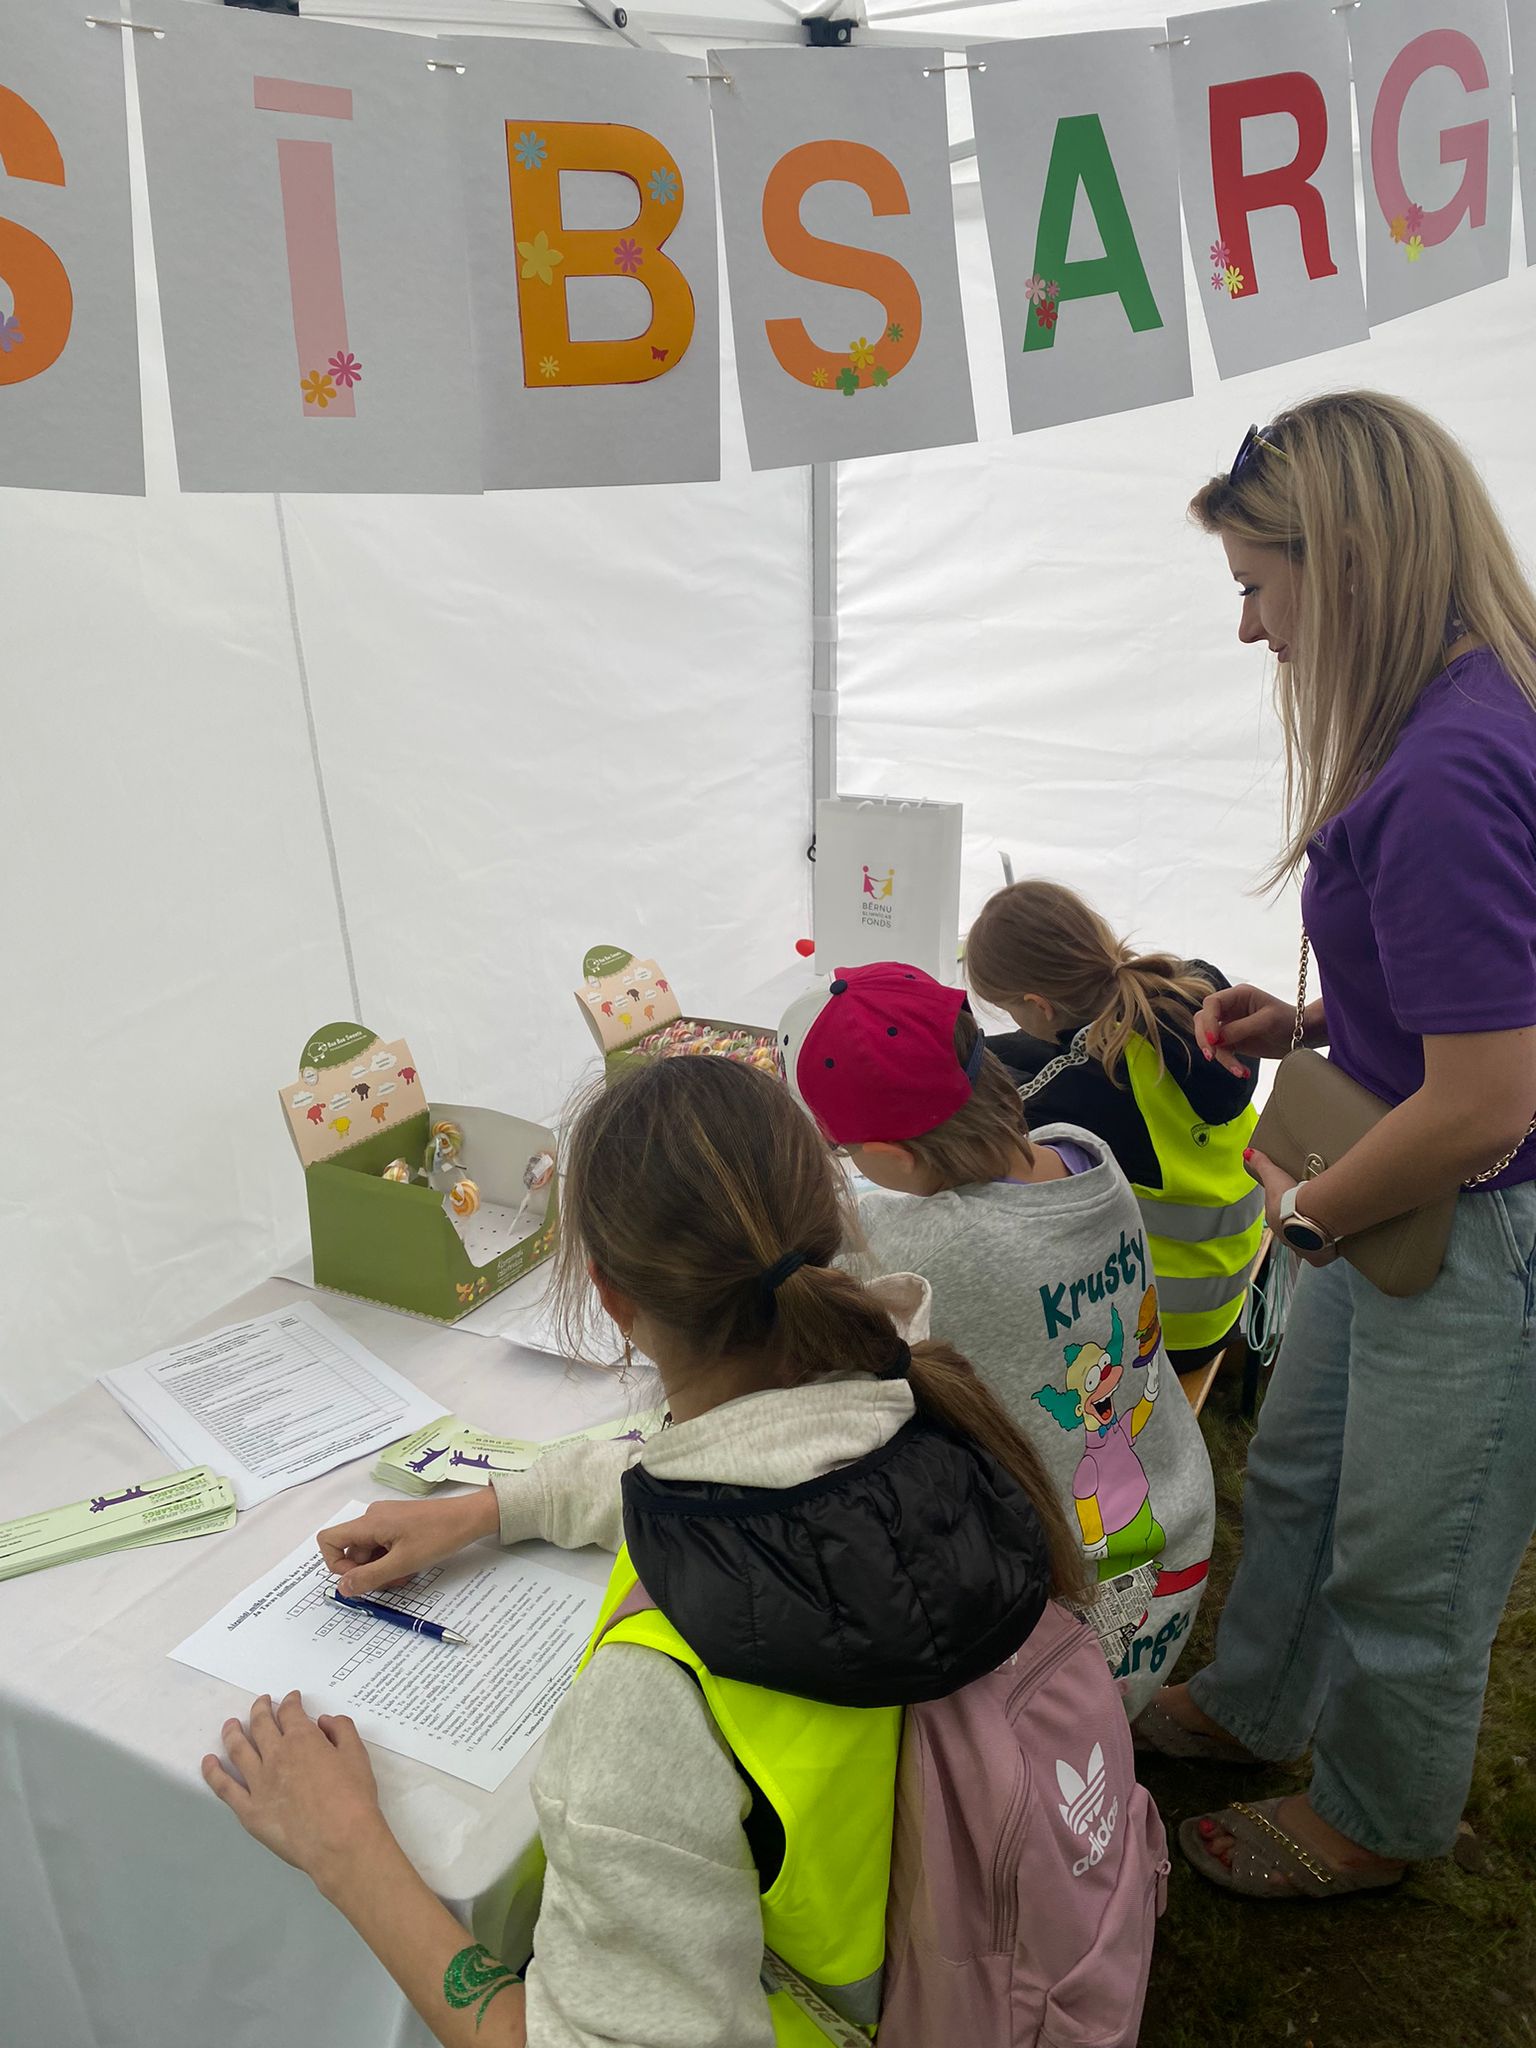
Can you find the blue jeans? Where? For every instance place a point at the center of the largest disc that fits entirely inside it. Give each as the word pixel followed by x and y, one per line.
pixel 1391 1494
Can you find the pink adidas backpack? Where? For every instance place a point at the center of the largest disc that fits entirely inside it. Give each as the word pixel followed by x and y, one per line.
pixel 1029 1867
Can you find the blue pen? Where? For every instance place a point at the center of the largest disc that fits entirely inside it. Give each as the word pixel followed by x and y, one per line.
pixel 416 1623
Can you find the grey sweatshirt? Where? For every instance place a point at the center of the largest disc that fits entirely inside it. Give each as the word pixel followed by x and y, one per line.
pixel 650 1934
pixel 1046 1288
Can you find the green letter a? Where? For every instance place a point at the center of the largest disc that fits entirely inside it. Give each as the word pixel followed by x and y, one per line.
pixel 1080 156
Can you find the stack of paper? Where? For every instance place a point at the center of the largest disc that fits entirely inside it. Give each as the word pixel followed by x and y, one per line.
pixel 195 1503
pixel 449 1450
pixel 273 1401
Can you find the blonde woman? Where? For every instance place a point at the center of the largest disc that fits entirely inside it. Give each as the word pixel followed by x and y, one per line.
pixel 1107 1039
pixel 1390 1491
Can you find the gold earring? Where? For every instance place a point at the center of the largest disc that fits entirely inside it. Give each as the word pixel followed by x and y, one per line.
pixel 629 1354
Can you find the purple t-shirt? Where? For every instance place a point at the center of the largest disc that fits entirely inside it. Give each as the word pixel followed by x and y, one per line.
pixel 1421 894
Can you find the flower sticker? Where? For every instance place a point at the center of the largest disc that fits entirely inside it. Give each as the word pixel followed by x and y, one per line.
pixel 549 366
pixel 1035 290
pixel 1413 220
pixel 539 259
pixel 1234 281
pixel 1218 280
pixel 10 332
pixel 627 256
pixel 1053 292
pixel 848 382
pixel 1415 248
pixel 346 369
pixel 318 389
pixel 1398 228
pixel 895 331
pixel 1047 313
pixel 663 187
pixel 879 376
pixel 1221 255
pixel 861 353
pixel 530 150
pixel 820 377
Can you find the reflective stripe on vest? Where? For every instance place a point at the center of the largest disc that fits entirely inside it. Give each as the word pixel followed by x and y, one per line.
pixel 830 1775
pixel 1205 1223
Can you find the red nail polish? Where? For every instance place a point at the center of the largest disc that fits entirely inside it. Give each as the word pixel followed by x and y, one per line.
pixel 1212 1038
pixel 1247 1155
pixel 1207 1829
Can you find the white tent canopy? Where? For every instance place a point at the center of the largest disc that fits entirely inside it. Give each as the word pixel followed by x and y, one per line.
pixel 270 764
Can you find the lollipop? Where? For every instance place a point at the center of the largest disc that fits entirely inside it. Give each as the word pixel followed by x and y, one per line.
pixel 537 1174
pixel 464 1197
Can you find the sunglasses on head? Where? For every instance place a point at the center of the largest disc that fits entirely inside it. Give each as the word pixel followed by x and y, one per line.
pixel 1256 439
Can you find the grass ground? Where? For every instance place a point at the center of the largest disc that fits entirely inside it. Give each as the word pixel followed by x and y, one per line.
pixel 1448 1962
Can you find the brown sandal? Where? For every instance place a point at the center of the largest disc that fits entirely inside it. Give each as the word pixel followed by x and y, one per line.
pixel 1155 1732
pixel 1263 1851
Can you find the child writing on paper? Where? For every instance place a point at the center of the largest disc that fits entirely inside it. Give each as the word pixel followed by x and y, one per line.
pixel 1039 1266
pixel 1107 1039
pixel 925 1540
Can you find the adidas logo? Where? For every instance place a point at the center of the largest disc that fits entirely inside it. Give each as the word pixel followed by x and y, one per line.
pixel 1083 1808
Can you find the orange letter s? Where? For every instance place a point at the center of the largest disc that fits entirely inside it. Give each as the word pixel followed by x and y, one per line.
pixel 33 339
pixel 862 270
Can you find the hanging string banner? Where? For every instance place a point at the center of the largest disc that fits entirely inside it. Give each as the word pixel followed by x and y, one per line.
pixel 399 263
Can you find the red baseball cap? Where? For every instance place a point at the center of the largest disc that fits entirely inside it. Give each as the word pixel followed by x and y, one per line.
pixel 871 1055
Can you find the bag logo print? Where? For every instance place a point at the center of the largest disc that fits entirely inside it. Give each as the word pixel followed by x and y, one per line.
pixel 1083 1810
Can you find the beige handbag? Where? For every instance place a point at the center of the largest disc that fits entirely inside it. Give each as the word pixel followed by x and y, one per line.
pixel 1314 1115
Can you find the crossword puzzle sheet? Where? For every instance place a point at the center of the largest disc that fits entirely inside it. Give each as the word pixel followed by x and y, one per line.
pixel 472 1710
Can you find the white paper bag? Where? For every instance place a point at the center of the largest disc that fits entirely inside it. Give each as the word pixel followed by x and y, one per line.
pixel 888 883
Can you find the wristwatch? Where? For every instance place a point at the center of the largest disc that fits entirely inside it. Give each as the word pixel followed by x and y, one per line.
pixel 1300 1232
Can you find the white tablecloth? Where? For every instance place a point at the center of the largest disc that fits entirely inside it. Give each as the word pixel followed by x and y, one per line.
pixel 134 1912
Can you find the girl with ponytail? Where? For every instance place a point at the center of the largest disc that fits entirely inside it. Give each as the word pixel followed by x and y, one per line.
pixel 838 1521
pixel 1108 1039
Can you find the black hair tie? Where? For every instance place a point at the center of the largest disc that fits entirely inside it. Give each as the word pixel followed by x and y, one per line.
pixel 900 1365
pixel 775 1275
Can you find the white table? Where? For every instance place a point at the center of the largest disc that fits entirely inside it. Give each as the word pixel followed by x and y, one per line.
pixel 134 1912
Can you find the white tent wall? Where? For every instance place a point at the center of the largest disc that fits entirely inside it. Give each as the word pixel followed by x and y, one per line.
pixel 574 717
pixel 543 721
pixel 1029 625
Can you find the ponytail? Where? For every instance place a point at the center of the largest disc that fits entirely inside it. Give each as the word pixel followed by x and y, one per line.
pixel 1148 990
pixel 702 1193
pixel 826 1314
pixel 1040 939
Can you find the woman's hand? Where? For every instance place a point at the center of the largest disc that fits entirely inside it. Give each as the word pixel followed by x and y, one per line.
pixel 396 1539
pixel 1275 1181
pixel 305 1788
pixel 1237 1025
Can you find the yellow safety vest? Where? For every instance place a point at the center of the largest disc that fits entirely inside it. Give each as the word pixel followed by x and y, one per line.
pixel 1205 1222
pixel 830 1775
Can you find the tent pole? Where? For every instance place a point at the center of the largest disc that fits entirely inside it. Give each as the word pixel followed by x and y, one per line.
pixel 823 635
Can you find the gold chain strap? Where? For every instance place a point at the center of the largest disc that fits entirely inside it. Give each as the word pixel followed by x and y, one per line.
pixel 1299 1033
pixel 1478 1179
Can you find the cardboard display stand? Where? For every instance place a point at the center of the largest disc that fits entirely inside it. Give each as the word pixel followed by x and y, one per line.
pixel 629 1004
pixel 357 1107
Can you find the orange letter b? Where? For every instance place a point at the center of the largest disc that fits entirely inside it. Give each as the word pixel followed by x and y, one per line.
pixel 548 252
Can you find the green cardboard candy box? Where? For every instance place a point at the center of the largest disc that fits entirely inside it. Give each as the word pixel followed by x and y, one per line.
pixel 634 1014
pixel 414 1238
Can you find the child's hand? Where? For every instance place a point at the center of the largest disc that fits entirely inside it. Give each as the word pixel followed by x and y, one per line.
pixel 304 1788
pixel 396 1539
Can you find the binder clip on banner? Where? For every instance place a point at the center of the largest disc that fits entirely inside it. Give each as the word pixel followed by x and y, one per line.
pixel 427 1207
